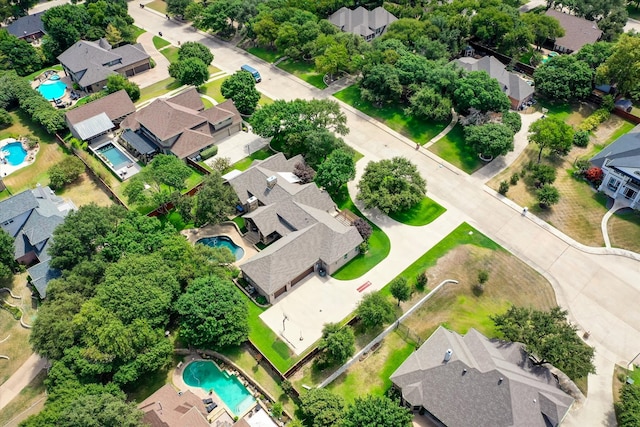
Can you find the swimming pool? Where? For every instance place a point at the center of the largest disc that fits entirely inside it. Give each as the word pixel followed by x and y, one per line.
pixel 13 153
pixel 52 89
pixel 206 375
pixel 223 242
pixel 115 156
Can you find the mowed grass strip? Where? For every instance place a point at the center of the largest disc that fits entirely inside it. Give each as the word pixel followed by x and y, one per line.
pixel 421 214
pixel 159 42
pixel 379 243
pixel 265 54
pixel 392 115
pixel 305 71
pixel 453 148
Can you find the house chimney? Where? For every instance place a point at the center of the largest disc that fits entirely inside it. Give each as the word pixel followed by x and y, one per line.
pixel 271 181
pixel 447 355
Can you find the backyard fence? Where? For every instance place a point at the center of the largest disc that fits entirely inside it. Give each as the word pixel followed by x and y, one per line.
pixel 379 338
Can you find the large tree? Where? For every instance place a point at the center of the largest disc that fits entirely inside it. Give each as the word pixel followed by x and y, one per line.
pixel 315 146
pixel 380 84
pixel 480 91
pixel 191 71
pixel 391 185
pixel 336 344
pixel 241 88
pixel 334 59
pixel 428 104
pixel 321 408
pixel 338 169
pixel 548 338
pixel 116 82
pixel 622 68
pixel 177 7
pixel 105 410
pixel 17 54
pixel 564 78
pixel 213 314
pixel 543 27
pixel 595 54
pixel 195 50
pixel 628 407
pixel 376 411
pixel 65 172
pixel 375 310
pixel 215 200
pixel 551 133
pixel 489 140
pixel 7 253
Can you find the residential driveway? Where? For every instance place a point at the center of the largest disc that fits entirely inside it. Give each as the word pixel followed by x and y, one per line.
pixel 594 284
pixel 157 73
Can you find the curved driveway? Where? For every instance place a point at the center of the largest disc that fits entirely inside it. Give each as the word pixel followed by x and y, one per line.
pixel 599 290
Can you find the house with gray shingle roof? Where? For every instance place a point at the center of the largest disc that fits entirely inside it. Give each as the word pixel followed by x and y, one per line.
pixel 89 64
pixel 512 85
pixel 366 23
pixel 620 164
pixel 577 32
pixel 299 223
pixel 30 218
pixel 179 125
pixel 100 116
pixel 470 380
pixel 28 27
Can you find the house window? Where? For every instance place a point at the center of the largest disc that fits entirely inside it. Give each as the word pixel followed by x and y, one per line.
pixel 629 193
pixel 346 256
pixel 8 222
pixel 613 184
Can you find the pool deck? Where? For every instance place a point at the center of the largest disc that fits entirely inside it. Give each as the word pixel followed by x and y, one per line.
pixel 224 229
pixel 6 168
pixel 66 97
pixel 124 172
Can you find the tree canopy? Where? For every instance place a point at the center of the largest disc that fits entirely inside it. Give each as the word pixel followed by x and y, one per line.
pixel 552 133
pixel 18 54
pixel 628 407
pixel 190 71
pixel 195 50
pixel 376 411
pixel 622 67
pixel 549 338
pixel 7 251
pixel 490 140
pixel 565 78
pixel 116 82
pixel 215 200
pixel 337 344
pixel 241 87
pixel 480 91
pixel 214 314
pixel 321 408
pixel 391 185
pixel 65 172
pixel 375 310
pixel 400 289
pixel 338 169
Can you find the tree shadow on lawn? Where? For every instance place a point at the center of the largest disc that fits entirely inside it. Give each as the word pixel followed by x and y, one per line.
pixel 453 148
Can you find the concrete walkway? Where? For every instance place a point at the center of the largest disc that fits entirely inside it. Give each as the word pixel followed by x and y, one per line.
pixel 160 71
pixel 617 205
pixel 21 378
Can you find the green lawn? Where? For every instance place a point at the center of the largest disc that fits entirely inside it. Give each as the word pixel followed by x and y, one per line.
pixel 379 244
pixel 171 53
pixel 175 219
pixel 37 73
pixel 268 55
pixel 244 164
pixel 421 214
pixel 137 32
pixel 453 149
pixel 305 71
pixel 159 42
pixel 393 116
pixel 207 104
pixel 158 89
pixel 559 111
pixel 212 89
pixel 158 6
pixel 240 223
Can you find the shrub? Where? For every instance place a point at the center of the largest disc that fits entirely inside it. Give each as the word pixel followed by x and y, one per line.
pixel 608 103
pixel 504 187
pixel 221 164
pixel 276 410
pixel 592 122
pixel 582 166
pixel 65 172
pixel 594 175
pixel 543 174
pixel 209 152
pixel 364 228
pixel 483 276
pixel 513 120
pixel 421 280
pixel 286 386
pixel 5 119
pixel 547 195
pixel 32 142
pixel 514 179
pixel 581 138
pixel 304 172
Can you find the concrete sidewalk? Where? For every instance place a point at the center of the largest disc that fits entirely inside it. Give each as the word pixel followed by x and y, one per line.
pixel 21 378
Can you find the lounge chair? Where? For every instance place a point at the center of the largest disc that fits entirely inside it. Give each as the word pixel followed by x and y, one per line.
pixel 207 401
pixel 211 407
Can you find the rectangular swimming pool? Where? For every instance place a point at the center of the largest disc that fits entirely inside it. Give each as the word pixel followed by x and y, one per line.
pixel 114 155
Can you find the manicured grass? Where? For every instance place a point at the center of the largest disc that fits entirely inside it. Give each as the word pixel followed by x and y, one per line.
pixel 559 111
pixel 35 74
pixel 244 164
pixel 454 150
pixel 264 100
pixel 158 89
pixel 379 244
pixel 207 103
pixel 421 214
pixel 265 54
pixel 171 53
pixel 212 89
pixel 175 219
pixel 393 116
pixel 305 71
pixel 240 223
pixel 624 230
pixel 137 32
pixel 159 42
pixel 625 128
pixel 158 6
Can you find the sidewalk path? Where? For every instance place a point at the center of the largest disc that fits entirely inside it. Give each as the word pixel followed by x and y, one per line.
pixel 21 378
pixel 438 137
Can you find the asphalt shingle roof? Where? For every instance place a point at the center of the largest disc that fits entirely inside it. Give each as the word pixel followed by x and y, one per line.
pixel 114 105
pixel 27 25
pixel 511 83
pixel 623 152
pixel 577 31
pixel 360 20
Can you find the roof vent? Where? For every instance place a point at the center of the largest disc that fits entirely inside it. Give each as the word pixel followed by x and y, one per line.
pixel 271 181
pixel 464 371
pixel 448 354
pixel 500 380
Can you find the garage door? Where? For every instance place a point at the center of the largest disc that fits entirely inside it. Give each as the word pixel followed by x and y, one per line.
pixel 280 291
pixel 302 276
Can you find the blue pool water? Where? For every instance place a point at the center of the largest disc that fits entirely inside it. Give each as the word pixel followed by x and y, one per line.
pixel 52 89
pixel 223 242
pixel 206 375
pixel 115 156
pixel 14 153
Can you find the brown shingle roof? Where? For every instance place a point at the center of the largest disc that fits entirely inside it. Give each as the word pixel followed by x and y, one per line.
pixel 167 408
pixel 115 105
pixel 191 141
pixel 578 31
pixel 190 98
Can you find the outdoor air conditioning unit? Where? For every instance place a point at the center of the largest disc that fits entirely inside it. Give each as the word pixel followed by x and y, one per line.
pixel 271 181
pixel 252 203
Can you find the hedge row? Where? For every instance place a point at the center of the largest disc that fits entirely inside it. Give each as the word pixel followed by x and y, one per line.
pixel 592 122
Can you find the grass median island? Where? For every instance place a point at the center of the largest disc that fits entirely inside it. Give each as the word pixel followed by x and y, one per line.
pixel 159 42
pixel 265 54
pixel 421 214
pixel 392 115
pixel 379 243
pixel 453 148
pixel 305 71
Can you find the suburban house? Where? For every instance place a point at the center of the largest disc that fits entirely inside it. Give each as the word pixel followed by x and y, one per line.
pixel 29 28
pixel 577 32
pixel 30 218
pixel 99 117
pixel 620 164
pixel 516 88
pixel 179 125
pixel 170 408
pixel 470 380
pixel 89 64
pixel 300 223
pixel 366 23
